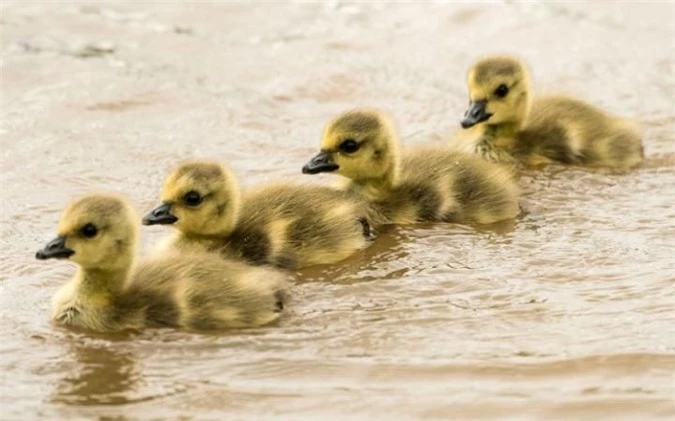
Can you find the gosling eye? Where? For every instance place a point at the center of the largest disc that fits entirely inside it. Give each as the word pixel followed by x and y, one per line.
pixel 89 231
pixel 501 91
pixel 349 146
pixel 192 198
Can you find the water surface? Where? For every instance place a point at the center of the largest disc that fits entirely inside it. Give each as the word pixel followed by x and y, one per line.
pixel 568 313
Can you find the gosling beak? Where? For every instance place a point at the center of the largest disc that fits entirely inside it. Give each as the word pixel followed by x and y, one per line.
pixel 161 215
pixel 475 114
pixel 322 162
pixel 55 249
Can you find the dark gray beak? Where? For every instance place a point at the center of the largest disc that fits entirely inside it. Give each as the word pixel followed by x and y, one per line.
pixel 475 114
pixel 322 162
pixel 55 249
pixel 161 215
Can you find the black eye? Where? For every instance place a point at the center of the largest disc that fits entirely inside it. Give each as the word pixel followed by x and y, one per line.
pixel 192 198
pixel 501 91
pixel 89 231
pixel 349 146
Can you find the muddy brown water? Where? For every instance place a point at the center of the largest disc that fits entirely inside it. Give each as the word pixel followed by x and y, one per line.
pixel 568 313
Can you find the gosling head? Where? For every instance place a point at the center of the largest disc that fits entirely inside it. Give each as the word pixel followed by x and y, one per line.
pixel 359 144
pixel 498 92
pixel 198 198
pixel 97 232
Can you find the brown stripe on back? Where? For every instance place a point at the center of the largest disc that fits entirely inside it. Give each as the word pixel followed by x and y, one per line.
pixel 425 198
pixel 548 141
pixel 467 186
pixel 201 320
pixel 252 244
pixel 158 308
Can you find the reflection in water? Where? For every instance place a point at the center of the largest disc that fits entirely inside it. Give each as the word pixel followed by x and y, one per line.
pixel 104 374
pixel 389 257
pixel 377 261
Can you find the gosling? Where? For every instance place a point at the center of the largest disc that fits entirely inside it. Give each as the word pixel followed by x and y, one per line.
pixel 427 184
pixel 282 225
pixel 192 290
pixel 506 126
